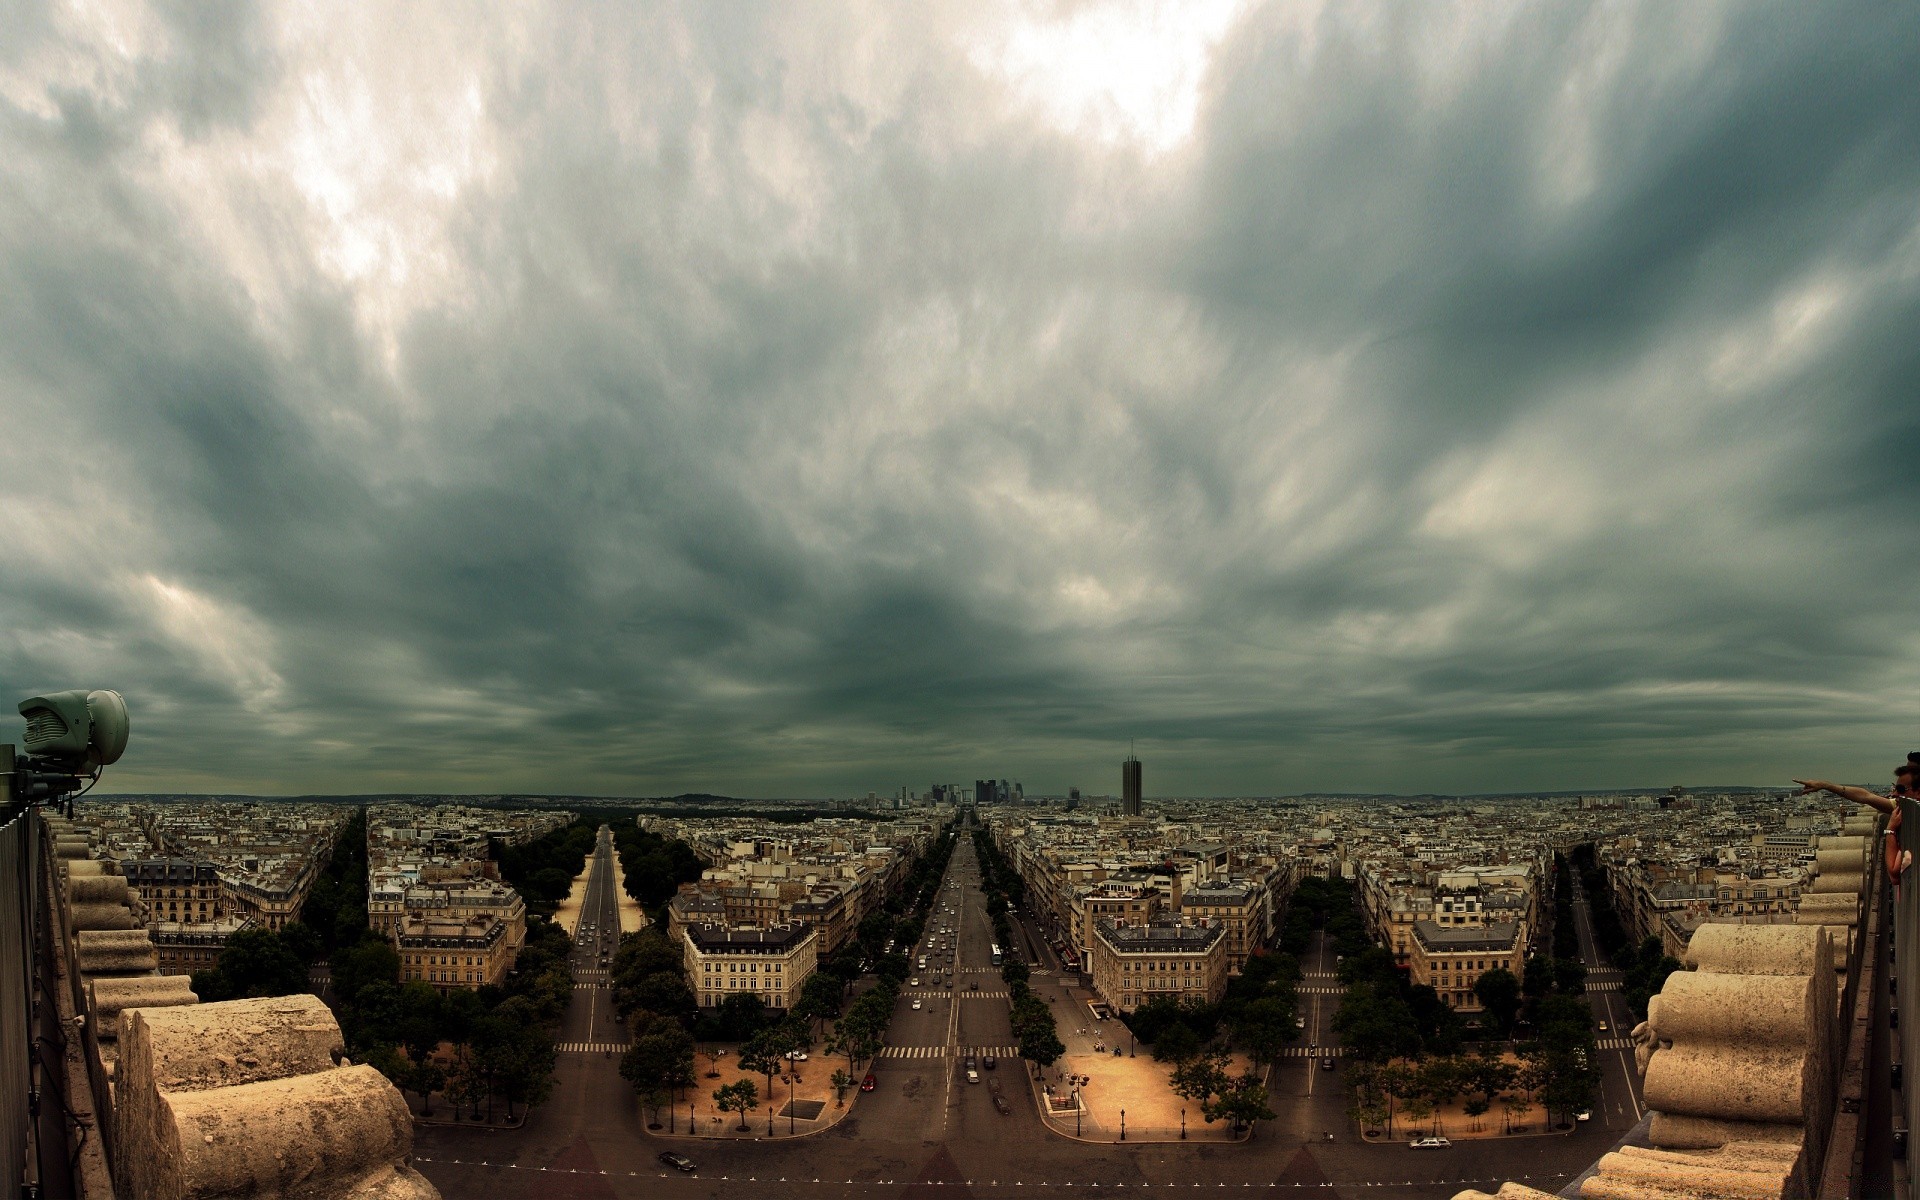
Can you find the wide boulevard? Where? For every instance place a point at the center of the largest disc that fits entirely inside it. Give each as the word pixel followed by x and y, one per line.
pixel 925 1132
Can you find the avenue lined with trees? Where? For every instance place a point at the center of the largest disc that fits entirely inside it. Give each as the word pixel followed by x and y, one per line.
pixel 1034 1028
pixel 654 999
pixel 1410 1055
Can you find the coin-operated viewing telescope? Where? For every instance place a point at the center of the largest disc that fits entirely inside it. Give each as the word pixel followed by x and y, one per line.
pixel 71 737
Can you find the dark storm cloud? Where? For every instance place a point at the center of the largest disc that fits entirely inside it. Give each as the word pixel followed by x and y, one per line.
pixel 732 399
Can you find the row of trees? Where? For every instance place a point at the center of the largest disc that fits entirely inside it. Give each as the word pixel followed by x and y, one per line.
pixel 470 1045
pixel 1034 1028
pixel 652 867
pixel 1645 965
pixel 1321 903
pixel 1380 1093
pixel 543 870
pixel 336 907
pixel 1407 1045
pixel 262 962
pixel 653 996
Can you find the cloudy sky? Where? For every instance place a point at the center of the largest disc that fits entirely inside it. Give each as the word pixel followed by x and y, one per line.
pixel 803 400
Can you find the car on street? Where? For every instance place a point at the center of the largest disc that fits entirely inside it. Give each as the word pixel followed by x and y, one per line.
pixel 916 1004
pixel 1299 1022
pixel 869 1083
pixel 914 982
pixel 1603 1027
pixel 1583 1115
pixel 1431 1143
pixel 989 1062
pixel 678 1162
pixel 973 1076
pixel 1326 1064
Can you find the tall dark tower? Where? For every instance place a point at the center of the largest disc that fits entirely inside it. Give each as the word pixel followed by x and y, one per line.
pixel 1130 787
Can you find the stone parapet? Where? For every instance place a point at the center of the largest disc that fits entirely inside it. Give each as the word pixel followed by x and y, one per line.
pixel 1737 1064
pixel 1736 1048
pixel 1508 1191
pixel 107 998
pixel 115 952
pixel 1736 1171
pixel 244 1098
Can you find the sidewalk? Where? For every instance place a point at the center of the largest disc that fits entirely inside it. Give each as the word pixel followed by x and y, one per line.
pixel 812 1101
pixel 1129 1092
pixel 1451 1121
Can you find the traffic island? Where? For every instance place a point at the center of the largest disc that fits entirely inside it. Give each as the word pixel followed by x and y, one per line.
pixel 800 1106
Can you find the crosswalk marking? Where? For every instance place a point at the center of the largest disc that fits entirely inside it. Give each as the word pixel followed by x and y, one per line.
pixel 944 1051
pixel 1307 1052
pixel 943 993
pixel 1618 1043
pixel 590 1047
pixel 1322 991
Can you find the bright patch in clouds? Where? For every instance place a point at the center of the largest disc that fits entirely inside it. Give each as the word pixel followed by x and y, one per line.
pixel 1122 72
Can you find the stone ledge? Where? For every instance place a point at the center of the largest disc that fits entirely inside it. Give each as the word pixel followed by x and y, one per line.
pixel 244 1098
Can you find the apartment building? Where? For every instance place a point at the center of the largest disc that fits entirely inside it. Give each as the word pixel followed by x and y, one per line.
pixel 1451 958
pixel 771 963
pixel 449 952
pixel 1167 958
pixel 186 947
pixel 1237 907
pixel 178 890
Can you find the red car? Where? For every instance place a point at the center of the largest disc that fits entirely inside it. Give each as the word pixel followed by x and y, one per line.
pixel 868 1084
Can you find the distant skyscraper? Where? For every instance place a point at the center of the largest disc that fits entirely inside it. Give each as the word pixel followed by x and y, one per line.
pixel 1130 787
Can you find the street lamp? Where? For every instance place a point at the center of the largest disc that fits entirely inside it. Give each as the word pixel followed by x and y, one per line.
pixel 1183 1124
pixel 1123 1124
pixel 1129 1041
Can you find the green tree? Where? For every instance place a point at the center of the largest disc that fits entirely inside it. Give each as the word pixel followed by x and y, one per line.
pixel 1265 1029
pixel 1041 1045
pixel 1242 1102
pixel 1177 1043
pixel 1499 994
pixel 426 1077
pixel 659 1062
pixel 372 959
pixel 1376 1027
pixel 1538 980
pixel 255 962
pixel 765 1053
pixel 300 938
pixel 739 1096
pixel 1200 1077
pixel 819 998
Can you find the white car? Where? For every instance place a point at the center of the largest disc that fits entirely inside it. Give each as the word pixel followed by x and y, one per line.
pixel 916 1005
pixel 1431 1143
pixel 1583 1115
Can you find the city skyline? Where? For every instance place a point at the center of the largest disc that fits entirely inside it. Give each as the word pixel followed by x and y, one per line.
pixel 1367 400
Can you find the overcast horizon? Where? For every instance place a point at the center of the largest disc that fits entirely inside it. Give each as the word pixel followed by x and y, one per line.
pixel 813 400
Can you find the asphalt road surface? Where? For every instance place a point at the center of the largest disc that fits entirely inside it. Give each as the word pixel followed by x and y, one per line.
pixel 924 1132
